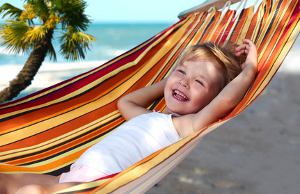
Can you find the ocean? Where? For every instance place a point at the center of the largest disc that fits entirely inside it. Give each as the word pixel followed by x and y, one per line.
pixel 111 40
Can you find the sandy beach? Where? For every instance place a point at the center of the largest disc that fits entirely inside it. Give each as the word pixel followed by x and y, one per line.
pixel 254 153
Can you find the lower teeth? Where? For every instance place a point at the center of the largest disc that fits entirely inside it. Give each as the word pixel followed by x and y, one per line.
pixel 178 97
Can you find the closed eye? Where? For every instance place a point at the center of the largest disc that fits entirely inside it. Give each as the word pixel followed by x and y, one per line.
pixel 200 82
pixel 181 71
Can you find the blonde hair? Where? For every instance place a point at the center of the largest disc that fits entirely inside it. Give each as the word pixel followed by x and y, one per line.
pixel 230 63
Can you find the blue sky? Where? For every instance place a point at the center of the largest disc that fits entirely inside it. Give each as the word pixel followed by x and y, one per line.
pixel 132 10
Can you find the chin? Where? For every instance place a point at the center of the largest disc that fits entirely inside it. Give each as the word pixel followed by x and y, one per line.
pixel 176 112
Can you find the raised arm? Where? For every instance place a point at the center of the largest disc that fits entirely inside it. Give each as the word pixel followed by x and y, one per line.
pixel 136 103
pixel 229 97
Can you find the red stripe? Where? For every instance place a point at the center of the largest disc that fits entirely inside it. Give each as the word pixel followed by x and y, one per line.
pixel 227 30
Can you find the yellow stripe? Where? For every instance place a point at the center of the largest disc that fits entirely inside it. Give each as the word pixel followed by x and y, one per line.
pixel 82 186
pixel 246 25
pixel 259 18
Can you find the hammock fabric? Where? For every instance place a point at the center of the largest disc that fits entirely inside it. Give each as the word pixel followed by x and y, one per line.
pixel 45 132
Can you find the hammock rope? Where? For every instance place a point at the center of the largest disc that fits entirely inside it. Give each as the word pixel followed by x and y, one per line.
pixel 45 132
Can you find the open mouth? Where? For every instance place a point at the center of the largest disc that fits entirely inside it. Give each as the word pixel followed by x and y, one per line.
pixel 178 95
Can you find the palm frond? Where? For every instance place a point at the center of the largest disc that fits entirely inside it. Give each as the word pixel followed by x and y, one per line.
pixel 52 53
pixel 51 21
pixel 75 44
pixel 35 34
pixel 10 10
pixel 13 33
pixel 28 13
pixel 40 8
pixel 72 14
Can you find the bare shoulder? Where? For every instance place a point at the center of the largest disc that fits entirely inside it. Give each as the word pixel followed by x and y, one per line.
pixel 188 124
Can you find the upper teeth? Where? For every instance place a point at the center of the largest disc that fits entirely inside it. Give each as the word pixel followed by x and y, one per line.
pixel 181 94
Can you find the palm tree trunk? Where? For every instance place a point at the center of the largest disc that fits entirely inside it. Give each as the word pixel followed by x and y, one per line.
pixel 29 70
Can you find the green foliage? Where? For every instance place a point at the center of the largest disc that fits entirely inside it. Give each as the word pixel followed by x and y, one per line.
pixel 41 9
pixel 51 52
pixel 75 43
pixel 76 19
pixel 13 33
pixel 29 27
pixel 10 10
pixel 35 34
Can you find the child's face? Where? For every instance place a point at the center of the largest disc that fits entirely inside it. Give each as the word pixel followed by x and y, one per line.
pixel 192 85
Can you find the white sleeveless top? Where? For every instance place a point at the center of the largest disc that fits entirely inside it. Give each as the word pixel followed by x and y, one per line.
pixel 132 141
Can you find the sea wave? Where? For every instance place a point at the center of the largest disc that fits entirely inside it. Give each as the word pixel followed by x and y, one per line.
pixel 6 51
pixel 103 54
pixel 49 73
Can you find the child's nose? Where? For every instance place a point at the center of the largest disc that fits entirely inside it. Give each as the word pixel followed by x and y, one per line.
pixel 184 82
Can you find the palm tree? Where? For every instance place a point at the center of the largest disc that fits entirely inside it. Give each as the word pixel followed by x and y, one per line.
pixel 32 29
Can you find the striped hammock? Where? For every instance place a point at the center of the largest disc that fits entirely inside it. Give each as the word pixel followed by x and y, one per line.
pixel 45 132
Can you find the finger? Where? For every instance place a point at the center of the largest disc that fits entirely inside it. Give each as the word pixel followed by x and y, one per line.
pixel 248 46
pixel 244 51
pixel 251 46
pixel 238 53
pixel 240 50
pixel 249 42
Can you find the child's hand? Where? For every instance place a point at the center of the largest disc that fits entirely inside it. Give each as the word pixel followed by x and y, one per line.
pixel 248 48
